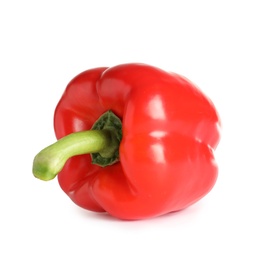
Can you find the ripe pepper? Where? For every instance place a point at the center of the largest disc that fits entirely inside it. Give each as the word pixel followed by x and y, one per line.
pixel 134 141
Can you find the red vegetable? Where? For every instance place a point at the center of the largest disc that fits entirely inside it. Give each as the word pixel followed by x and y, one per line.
pixel 151 151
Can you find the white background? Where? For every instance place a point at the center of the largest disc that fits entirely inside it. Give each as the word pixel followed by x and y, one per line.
pixel 44 44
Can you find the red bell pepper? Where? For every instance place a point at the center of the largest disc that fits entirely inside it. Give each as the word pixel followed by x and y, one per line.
pixel 134 141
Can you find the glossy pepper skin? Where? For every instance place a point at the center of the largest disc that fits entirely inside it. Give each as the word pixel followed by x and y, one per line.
pixel 170 130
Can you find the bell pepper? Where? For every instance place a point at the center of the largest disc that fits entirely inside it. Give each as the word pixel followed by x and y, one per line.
pixel 133 141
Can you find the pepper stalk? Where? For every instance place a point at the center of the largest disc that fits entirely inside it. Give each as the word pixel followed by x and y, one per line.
pixel 102 142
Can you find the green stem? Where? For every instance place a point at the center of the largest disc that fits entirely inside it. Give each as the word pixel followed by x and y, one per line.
pixel 50 161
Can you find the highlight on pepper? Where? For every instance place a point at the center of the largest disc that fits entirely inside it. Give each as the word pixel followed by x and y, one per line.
pixel 133 141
